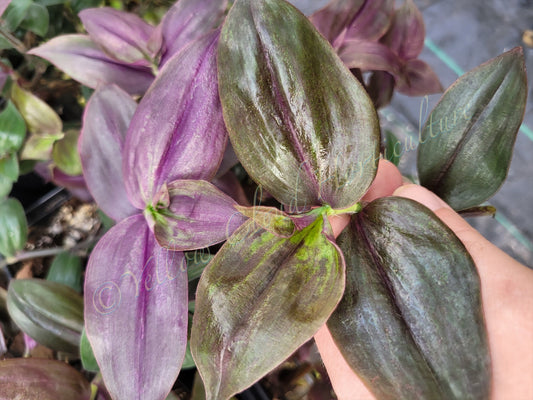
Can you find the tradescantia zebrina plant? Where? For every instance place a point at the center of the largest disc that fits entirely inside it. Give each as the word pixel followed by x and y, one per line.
pixel 398 290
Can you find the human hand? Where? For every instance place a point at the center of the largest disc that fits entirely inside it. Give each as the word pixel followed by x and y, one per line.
pixel 507 296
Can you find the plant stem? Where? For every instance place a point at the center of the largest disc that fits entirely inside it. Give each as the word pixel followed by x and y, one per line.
pixel 28 255
pixel 17 44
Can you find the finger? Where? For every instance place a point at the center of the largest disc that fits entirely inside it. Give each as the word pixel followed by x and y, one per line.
pixel 507 295
pixel 388 179
pixel 346 384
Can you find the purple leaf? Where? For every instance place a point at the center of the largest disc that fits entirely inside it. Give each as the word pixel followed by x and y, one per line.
pixel 407 31
pixel 371 21
pixel 3 5
pixel 123 36
pixel 418 79
pixel 84 61
pixel 136 311
pixel 177 131
pixel 368 56
pixel 187 21
pixel 75 184
pixel 199 215
pixel 335 17
pixel 105 124
pixel 230 185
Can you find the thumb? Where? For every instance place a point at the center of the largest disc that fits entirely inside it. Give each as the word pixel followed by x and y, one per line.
pixel 507 295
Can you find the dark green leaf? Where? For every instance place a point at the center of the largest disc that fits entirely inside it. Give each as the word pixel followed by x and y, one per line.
pixel 393 148
pixel 261 298
pixel 300 123
pixel 480 211
pixel 78 5
pixel 15 13
pixel 86 354
pixel 467 142
pixel 48 3
pixel 13 227
pixel 26 166
pixel 410 323
pixel 188 361
pixel 67 269
pixel 12 130
pixel 36 19
pixel 197 260
pixel 65 153
pixel 49 312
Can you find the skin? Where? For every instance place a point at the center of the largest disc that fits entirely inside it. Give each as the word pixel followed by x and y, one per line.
pixel 507 295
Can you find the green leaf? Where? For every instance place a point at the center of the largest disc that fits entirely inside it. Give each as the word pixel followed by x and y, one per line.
pixel 410 323
pixel 86 354
pixel 13 227
pixel 261 298
pixel 273 220
pixel 67 269
pixel 301 124
pixel 6 185
pixel 39 116
pixel 9 173
pixel 15 13
pixel 49 312
pixel 393 148
pixel 36 19
pixel 39 147
pixel 467 142
pixel 188 361
pixel 26 166
pixel 197 260
pixel 9 167
pixel 12 130
pixel 78 5
pixel 65 153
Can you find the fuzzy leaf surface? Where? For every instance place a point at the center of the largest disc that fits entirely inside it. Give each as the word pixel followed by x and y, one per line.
pixel 177 131
pixel 332 19
pixel 188 20
pixel 136 311
pixel 34 378
pixel 68 52
pixel 301 124
pixel 467 142
pixel 260 298
pixel 105 123
pixel 199 215
pixel 410 323
pixel 122 35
